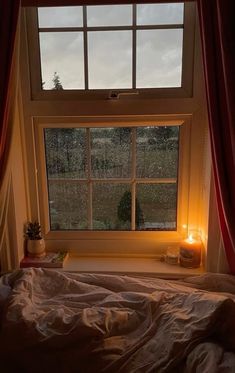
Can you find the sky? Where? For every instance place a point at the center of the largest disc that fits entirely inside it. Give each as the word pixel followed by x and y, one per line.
pixel 158 52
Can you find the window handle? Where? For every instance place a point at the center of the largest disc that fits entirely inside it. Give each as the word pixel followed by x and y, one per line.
pixel 115 95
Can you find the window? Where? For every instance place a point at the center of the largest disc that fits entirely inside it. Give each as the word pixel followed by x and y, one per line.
pixel 112 178
pixel 91 49
pixel 101 180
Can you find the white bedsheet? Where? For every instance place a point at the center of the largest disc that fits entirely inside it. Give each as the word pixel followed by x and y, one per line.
pixel 102 323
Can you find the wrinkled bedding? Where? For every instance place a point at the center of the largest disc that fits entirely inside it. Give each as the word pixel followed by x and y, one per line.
pixel 84 323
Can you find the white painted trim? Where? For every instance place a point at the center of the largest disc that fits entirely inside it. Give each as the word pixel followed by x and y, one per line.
pixel 129 266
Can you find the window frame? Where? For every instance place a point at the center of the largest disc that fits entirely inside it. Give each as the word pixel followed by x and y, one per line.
pixel 186 89
pixel 190 109
pixel 183 176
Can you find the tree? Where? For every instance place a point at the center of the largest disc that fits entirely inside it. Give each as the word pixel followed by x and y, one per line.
pixel 56 81
pixel 124 210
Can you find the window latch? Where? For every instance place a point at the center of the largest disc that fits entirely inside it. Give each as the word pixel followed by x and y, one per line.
pixel 115 95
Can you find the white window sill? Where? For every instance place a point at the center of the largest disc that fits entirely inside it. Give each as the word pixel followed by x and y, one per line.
pixel 130 266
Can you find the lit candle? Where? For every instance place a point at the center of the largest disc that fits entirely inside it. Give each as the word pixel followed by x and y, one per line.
pixel 190 252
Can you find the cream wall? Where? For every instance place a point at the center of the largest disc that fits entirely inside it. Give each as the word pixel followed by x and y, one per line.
pixel 13 199
pixel 14 209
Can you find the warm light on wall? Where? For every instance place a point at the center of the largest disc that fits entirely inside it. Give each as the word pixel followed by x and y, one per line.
pixel 184 230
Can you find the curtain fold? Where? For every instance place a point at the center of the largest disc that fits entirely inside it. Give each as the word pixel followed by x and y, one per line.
pixel 9 14
pixel 218 45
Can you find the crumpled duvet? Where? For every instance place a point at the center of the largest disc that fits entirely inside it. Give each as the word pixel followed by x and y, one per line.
pixel 84 323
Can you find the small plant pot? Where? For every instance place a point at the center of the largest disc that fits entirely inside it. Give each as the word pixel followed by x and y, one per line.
pixel 36 248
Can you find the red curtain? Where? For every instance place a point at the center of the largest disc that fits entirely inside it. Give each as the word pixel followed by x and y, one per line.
pixel 9 12
pixel 217 25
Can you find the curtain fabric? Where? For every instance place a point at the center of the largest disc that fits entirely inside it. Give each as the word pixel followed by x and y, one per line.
pixel 9 13
pixel 218 44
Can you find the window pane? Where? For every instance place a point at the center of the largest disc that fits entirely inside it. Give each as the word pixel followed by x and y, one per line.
pixel 111 152
pixel 110 59
pixel 157 152
pixel 157 206
pixel 159 58
pixel 66 153
pixel 109 15
pixel 62 59
pixel 66 16
pixel 160 14
pixel 111 206
pixel 68 205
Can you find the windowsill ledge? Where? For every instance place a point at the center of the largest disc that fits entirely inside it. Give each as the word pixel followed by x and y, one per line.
pixel 129 266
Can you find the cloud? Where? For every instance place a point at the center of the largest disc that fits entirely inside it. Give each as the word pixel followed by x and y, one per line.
pixel 62 52
pixel 110 59
pixel 159 52
pixel 66 16
pixel 160 14
pixel 159 58
pixel 109 15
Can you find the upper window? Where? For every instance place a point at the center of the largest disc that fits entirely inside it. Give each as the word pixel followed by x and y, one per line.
pixel 143 47
pixel 111 47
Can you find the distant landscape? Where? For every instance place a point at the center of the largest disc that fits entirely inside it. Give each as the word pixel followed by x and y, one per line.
pixel 100 171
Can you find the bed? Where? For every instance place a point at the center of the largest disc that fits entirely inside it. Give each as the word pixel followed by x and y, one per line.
pixel 70 322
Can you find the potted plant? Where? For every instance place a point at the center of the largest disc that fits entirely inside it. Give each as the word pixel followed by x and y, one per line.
pixel 35 242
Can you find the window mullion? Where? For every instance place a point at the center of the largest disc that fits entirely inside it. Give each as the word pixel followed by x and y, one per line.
pixel 110 28
pixel 85 41
pixel 157 180
pixel 133 184
pixel 90 186
pixel 134 47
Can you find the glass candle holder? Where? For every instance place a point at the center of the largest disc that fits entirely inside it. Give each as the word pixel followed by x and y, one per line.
pixel 190 252
pixel 172 255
